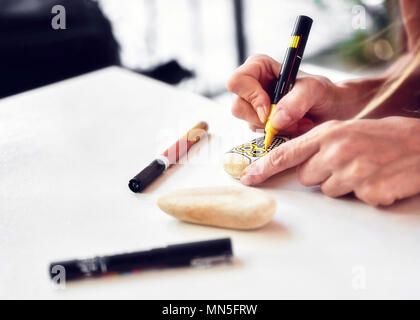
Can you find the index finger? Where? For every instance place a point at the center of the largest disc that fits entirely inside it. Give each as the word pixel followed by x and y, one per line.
pixel 251 80
pixel 260 67
pixel 285 156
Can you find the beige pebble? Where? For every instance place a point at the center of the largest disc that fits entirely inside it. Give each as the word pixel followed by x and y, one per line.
pixel 227 207
pixel 240 157
pixel 234 164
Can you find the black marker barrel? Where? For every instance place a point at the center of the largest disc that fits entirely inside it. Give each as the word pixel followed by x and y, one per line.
pixel 293 57
pixel 147 175
pixel 195 253
pixel 288 72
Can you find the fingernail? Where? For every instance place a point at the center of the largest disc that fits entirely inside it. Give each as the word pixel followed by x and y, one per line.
pixel 246 180
pixel 243 173
pixel 281 119
pixel 244 177
pixel 261 113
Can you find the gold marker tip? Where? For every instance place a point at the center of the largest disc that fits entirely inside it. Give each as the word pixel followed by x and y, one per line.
pixel 268 140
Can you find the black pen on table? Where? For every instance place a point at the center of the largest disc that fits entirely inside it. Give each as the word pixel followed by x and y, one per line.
pixel 201 253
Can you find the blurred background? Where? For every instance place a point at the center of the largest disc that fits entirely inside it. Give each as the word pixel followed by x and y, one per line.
pixel 192 44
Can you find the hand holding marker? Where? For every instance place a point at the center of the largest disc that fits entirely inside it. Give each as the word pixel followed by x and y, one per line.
pixel 289 70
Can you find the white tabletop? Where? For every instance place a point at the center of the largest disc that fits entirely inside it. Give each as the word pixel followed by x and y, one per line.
pixel 68 150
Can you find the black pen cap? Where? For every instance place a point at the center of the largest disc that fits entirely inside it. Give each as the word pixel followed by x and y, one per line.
pixel 302 28
pixel 177 255
pixel 188 253
pixel 292 58
pixel 147 176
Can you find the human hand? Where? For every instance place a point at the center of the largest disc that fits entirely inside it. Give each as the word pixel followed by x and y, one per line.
pixel 378 160
pixel 311 100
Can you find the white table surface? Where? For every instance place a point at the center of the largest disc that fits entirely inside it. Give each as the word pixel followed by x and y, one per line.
pixel 68 150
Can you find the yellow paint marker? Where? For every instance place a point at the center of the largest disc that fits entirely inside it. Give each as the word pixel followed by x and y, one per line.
pixel 289 70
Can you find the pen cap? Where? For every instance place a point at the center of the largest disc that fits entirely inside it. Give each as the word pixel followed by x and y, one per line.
pixel 185 254
pixel 147 175
pixel 302 28
pixel 171 256
pixel 303 25
pixel 293 57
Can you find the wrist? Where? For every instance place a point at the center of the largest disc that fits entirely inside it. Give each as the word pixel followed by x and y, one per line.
pixel 412 126
pixel 352 96
pixel 328 98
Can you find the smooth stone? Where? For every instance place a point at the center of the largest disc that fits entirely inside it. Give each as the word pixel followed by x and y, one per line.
pixel 227 207
pixel 234 164
pixel 238 158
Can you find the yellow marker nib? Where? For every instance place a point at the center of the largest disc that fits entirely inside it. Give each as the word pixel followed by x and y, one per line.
pixel 268 140
pixel 270 132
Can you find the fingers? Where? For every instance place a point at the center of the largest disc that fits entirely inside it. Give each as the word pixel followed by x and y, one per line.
pixel 295 130
pixel 252 79
pixel 374 189
pixel 304 125
pixel 250 90
pixel 313 171
pixel 256 128
pixel 336 186
pixel 346 179
pixel 348 156
pixel 381 188
pixel 287 155
pixel 305 94
pixel 244 110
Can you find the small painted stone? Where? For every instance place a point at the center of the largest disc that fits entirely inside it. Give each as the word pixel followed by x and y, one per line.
pixel 240 157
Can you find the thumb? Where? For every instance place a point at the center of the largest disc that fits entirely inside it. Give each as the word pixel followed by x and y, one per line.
pixel 306 93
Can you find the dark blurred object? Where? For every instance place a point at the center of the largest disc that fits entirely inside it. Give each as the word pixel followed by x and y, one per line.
pixel 33 54
pixel 170 72
pixel 238 8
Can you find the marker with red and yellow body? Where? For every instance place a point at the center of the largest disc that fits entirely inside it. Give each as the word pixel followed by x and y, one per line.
pixel 289 70
pixel 169 157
